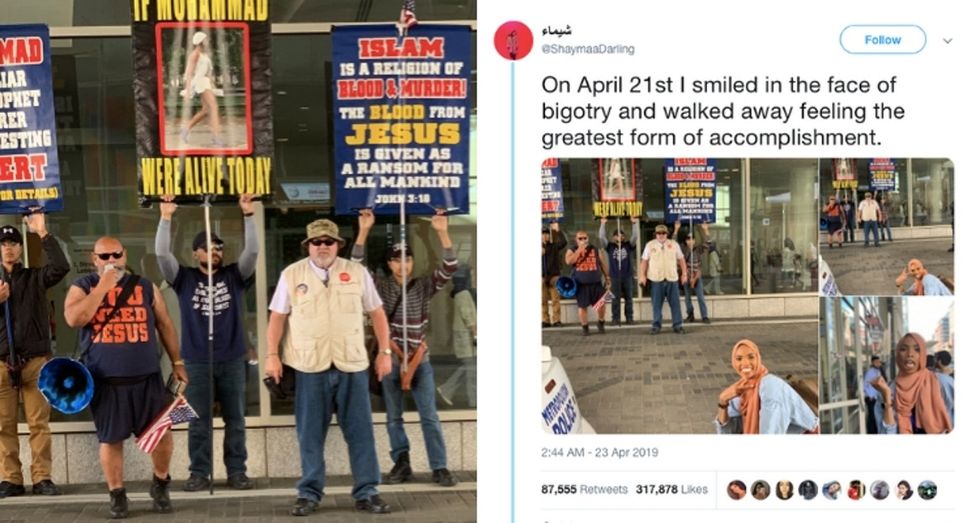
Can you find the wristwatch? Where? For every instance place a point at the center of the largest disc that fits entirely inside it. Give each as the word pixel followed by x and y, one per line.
pixel 387 352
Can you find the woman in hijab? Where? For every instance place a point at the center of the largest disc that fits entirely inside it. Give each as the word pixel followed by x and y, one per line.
pixel 759 402
pixel 917 402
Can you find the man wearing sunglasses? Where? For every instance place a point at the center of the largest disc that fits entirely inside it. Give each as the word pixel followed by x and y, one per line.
pixel 409 315
pixel 316 326
pixel 119 347
pixel 25 289
pixel 659 265
pixel 191 285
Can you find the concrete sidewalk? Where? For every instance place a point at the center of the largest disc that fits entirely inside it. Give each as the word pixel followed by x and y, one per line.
pixel 871 271
pixel 628 381
pixel 413 502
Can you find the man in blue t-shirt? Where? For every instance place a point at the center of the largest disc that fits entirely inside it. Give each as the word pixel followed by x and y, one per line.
pixel 620 254
pixel 191 286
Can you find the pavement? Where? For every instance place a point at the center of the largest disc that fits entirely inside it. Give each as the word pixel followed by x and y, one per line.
pixel 871 271
pixel 412 502
pixel 628 381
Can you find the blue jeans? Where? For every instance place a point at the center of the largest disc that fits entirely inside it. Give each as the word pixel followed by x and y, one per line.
pixel 622 288
pixel 318 394
pixel 669 290
pixel 872 226
pixel 229 391
pixel 886 230
pixel 424 393
pixel 699 291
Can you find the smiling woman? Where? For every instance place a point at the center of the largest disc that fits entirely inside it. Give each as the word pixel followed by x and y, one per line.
pixel 759 402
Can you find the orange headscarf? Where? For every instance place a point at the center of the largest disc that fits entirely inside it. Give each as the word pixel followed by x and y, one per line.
pixel 919 288
pixel 919 391
pixel 747 389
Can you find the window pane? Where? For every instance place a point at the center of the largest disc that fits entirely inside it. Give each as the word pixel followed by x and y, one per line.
pixel 784 224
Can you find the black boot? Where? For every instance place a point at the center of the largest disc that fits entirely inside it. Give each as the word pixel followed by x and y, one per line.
pixel 401 472
pixel 118 504
pixel 585 330
pixel 602 327
pixel 160 493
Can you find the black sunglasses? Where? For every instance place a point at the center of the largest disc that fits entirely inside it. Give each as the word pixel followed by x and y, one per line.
pixel 316 242
pixel 214 246
pixel 582 238
pixel 104 256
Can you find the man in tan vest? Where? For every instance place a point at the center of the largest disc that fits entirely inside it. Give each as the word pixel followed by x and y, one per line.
pixel 317 313
pixel 659 265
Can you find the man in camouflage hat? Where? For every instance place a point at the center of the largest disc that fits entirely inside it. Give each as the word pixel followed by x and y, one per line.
pixel 316 326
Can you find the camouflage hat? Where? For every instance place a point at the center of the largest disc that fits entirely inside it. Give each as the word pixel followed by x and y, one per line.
pixel 321 228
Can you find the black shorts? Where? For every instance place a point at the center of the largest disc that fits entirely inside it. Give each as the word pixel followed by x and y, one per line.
pixel 588 294
pixel 123 407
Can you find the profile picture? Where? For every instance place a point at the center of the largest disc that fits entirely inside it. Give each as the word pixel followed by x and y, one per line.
pixel 808 489
pixel 760 490
pixel 856 490
pixel 513 40
pixel 903 490
pixel 204 90
pixel 927 490
pixel 737 490
pixel 784 489
pixel 879 489
pixel 831 489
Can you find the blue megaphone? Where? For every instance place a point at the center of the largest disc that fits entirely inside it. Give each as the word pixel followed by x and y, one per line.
pixel 566 287
pixel 66 384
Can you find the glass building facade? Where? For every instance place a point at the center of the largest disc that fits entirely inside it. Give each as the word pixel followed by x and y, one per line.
pixel 766 211
pixel 93 76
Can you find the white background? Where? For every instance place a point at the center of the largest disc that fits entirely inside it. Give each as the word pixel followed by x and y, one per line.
pixel 707 39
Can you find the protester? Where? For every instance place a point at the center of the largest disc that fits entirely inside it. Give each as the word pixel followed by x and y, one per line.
pixel 659 264
pixel 23 295
pixel 835 222
pixel 620 254
pixel 227 377
pixel 322 299
pixel 553 242
pixel 869 213
pixel 408 316
pixel 695 252
pixel 590 269
pixel 117 313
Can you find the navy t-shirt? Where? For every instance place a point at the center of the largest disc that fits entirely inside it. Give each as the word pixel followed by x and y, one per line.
pixel 126 346
pixel 191 286
pixel 620 259
pixel 588 270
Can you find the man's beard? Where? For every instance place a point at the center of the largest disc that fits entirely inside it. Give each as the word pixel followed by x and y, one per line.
pixel 214 264
pixel 323 261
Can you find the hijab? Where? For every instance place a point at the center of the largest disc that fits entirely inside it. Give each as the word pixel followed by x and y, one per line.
pixel 919 287
pixel 747 388
pixel 919 392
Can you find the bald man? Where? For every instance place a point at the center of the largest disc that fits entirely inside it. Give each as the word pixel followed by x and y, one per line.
pixel 923 283
pixel 120 350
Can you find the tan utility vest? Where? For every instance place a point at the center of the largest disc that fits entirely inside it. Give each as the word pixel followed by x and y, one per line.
pixel 325 325
pixel 662 265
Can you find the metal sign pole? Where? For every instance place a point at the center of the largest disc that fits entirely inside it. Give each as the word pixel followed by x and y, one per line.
pixel 209 246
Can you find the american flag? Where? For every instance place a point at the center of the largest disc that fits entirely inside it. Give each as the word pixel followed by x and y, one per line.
pixel 178 412
pixel 606 298
pixel 407 18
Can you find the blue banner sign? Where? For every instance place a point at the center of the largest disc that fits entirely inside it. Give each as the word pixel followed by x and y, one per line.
pixel 30 177
pixel 882 174
pixel 690 187
pixel 402 118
